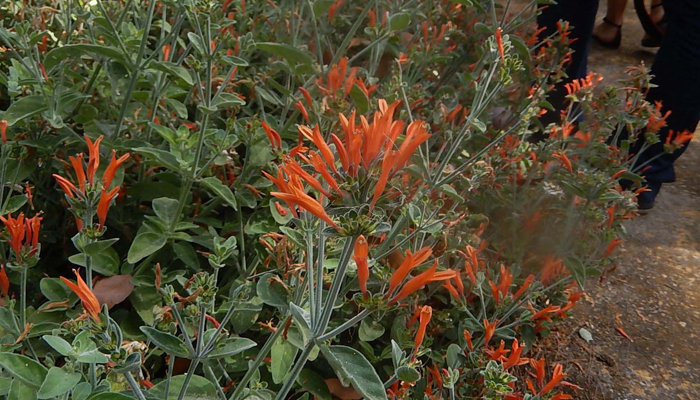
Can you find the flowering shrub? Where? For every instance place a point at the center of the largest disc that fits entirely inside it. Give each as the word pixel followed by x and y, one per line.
pixel 305 199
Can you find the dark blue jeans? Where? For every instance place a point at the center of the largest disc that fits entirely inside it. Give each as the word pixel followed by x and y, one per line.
pixel 581 17
pixel 676 71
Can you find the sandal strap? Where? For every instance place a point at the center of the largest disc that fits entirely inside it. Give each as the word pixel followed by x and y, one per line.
pixel 607 21
pixel 657 5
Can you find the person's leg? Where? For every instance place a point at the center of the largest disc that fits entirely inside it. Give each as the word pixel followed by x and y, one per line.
pixel 608 31
pixel 676 71
pixel 581 16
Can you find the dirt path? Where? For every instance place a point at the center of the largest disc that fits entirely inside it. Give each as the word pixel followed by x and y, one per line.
pixel 653 295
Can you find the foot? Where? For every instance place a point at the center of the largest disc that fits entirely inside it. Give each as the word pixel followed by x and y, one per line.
pixel 646 200
pixel 606 32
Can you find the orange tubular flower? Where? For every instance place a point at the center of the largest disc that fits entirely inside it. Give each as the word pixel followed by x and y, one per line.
pixel 303 200
pixel 166 52
pixel 468 338
pixel 501 291
pixel 103 205
pixel 66 185
pixel 300 106
pixel 564 160
pixel 272 136
pixel 93 157
pixel 489 330
pixel 409 262
pixel 415 284
pixel 425 314
pixel 3 130
pixel 316 137
pixel 557 376
pixel 499 43
pixel 22 229
pixel 77 163
pixel 111 169
pixel 4 282
pixel 360 257
pixel 387 165
pixel 292 168
pixel 87 298
pixel 528 281
pixel 320 167
pixel 611 247
pixel 514 357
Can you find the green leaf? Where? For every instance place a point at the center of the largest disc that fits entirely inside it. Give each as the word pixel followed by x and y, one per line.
pixel 370 330
pixel 314 383
pixel 399 21
pixel 231 346
pixel 111 396
pixel 23 368
pixel 221 190
pixel 81 391
pixel 451 192
pixel 585 335
pixel 106 263
pixel 160 157
pixel 23 108
pixel 60 345
pixel 198 388
pixel 5 383
pixel 283 354
pixel 171 344
pixel 185 252
pixel 53 289
pixel 198 43
pixel 98 247
pixel 172 69
pixel 57 382
pixel 165 208
pixel 301 317
pixel 228 100
pixel 21 391
pixel 352 367
pixel 407 374
pixel 56 55
pixel 292 54
pixel 360 99
pixel 144 245
pixel 179 108
pixel 14 204
pixel 233 60
pixel 92 356
pixel 271 291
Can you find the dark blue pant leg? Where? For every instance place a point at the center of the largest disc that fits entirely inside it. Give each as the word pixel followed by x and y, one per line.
pixel 581 16
pixel 676 71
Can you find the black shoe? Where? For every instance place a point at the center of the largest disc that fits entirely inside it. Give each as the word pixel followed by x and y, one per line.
pixel 654 30
pixel 645 200
pixel 612 44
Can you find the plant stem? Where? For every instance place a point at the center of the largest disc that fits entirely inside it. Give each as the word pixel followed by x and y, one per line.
pixel 258 360
pixel 345 326
pixel 335 286
pixel 190 371
pixel 134 386
pixel 296 370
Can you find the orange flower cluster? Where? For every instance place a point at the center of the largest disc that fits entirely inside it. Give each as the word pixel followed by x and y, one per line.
pixel 23 232
pixel 587 83
pixel 85 178
pixel 87 297
pixel 366 145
